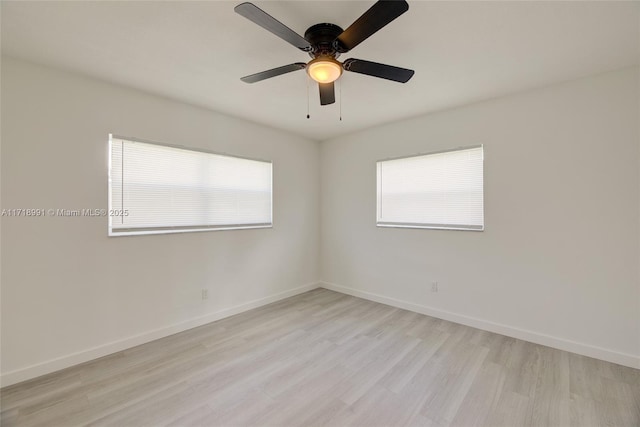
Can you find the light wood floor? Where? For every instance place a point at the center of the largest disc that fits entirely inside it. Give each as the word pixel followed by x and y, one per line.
pixel 323 358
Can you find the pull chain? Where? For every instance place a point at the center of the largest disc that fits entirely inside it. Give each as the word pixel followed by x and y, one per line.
pixel 340 85
pixel 308 116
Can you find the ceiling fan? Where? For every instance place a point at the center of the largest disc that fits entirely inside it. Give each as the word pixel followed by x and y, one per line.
pixel 325 42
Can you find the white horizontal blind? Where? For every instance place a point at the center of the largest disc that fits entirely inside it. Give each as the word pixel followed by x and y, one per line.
pixel 167 189
pixel 440 190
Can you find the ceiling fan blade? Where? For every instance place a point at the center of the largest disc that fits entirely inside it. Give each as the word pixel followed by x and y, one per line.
pixel 375 69
pixel 273 72
pixel 327 93
pixel 379 15
pixel 255 14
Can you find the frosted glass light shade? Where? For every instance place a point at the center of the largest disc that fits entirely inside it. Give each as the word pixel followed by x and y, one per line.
pixel 324 70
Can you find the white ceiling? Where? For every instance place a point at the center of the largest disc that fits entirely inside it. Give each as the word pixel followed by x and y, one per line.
pixel 196 52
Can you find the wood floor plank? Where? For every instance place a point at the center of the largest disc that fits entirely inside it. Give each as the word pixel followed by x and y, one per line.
pixel 510 411
pixel 401 374
pixel 482 398
pixel 550 402
pixel 327 359
pixel 454 383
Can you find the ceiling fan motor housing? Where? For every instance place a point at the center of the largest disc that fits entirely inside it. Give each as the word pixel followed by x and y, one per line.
pixel 323 39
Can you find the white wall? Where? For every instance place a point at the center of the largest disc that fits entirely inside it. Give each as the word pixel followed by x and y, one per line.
pixel 558 261
pixel 69 292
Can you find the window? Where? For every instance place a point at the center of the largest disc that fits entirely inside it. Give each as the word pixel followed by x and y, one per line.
pixel 161 189
pixel 438 190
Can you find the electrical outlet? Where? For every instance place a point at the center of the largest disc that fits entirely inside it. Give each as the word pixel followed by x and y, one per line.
pixel 434 286
pixel 205 294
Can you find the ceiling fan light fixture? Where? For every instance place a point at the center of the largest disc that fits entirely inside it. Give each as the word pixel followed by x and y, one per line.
pixel 324 69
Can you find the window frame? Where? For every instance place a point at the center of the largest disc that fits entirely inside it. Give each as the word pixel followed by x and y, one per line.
pixel 179 229
pixel 454 227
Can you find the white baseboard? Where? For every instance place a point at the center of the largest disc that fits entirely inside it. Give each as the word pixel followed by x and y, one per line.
pixel 33 371
pixel 523 334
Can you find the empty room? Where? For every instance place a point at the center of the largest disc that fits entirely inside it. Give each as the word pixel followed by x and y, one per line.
pixel 320 213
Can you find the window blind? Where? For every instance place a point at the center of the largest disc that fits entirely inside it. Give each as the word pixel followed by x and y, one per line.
pixel 439 190
pixel 156 188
